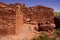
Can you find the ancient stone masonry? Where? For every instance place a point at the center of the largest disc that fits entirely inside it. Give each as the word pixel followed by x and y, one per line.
pixel 8 18
pixel 13 16
pixel 7 21
pixel 40 15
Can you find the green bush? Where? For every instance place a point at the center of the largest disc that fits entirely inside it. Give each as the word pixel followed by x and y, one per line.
pixel 58 32
pixel 43 36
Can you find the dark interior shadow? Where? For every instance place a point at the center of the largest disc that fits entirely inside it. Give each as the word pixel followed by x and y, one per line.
pixel 57 23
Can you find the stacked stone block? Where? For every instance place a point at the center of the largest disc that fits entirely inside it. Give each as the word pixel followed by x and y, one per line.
pixel 7 22
pixel 40 14
pixel 9 17
pixel 13 16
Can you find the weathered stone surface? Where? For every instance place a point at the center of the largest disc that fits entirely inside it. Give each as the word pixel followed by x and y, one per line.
pixel 40 15
pixel 15 16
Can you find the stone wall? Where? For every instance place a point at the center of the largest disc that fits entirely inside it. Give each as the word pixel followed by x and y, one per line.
pixel 40 15
pixel 7 22
pixel 13 16
pixel 10 18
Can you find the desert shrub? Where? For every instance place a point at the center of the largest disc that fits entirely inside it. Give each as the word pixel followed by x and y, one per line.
pixel 58 32
pixel 43 36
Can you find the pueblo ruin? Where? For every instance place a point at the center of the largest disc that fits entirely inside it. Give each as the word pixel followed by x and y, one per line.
pixel 14 16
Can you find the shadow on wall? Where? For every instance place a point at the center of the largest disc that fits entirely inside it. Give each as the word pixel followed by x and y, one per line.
pixel 57 22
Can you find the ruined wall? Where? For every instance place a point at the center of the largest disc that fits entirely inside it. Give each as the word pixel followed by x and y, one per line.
pixel 7 22
pixel 10 18
pixel 40 14
pixel 13 16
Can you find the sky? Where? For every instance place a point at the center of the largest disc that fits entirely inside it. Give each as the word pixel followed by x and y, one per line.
pixel 55 4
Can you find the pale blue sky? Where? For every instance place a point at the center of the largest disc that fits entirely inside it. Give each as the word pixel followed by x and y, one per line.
pixel 49 3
